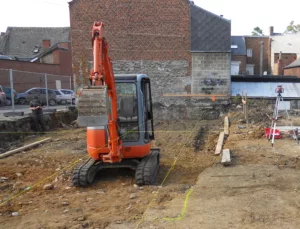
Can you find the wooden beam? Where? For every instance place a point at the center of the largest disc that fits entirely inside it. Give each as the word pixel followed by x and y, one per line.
pixel 9 153
pixel 226 160
pixel 220 144
pixel 226 126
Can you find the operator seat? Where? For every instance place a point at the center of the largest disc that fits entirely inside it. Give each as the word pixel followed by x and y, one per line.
pixel 128 108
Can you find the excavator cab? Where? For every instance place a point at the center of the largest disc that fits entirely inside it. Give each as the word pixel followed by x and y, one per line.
pixel 135 116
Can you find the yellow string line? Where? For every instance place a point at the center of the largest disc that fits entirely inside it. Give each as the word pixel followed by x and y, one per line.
pixel 169 171
pixel 41 181
pixel 183 210
pixel 167 143
pixel 47 178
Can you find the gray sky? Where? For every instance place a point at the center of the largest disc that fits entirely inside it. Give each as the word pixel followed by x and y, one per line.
pixel 244 15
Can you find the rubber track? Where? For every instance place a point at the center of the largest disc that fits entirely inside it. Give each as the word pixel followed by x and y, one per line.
pixel 80 174
pixel 139 174
pixel 147 169
pixel 150 170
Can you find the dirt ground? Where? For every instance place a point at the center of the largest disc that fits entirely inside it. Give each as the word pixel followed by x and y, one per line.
pixel 114 202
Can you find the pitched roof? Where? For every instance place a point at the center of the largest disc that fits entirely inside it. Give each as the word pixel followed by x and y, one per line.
pixel 209 32
pixel 46 52
pixel 239 41
pixel 22 41
pixel 295 64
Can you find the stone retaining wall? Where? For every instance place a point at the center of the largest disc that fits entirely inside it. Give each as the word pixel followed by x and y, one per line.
pixel 16 128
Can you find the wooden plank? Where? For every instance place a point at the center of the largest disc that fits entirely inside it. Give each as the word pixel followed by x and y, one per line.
pixel 226 160
pixel 9 153
pixel 226 126
pixel 220 144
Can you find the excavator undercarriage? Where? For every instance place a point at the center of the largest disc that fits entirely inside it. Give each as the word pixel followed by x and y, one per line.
pixel 146 169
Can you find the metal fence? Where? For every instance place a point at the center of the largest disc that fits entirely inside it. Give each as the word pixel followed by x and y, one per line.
pixel 14 82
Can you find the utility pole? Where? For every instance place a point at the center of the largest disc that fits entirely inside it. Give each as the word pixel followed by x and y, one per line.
pixel 261 58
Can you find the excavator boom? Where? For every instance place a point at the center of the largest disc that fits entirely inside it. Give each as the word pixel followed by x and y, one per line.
pixel 102 79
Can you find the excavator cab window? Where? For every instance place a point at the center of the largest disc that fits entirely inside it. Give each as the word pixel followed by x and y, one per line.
pixel 148 114
pixel 127 111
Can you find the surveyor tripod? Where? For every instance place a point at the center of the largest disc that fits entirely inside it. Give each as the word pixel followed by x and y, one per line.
pixel 279 90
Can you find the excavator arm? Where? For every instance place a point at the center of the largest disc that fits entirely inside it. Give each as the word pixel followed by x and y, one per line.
pixel 102 75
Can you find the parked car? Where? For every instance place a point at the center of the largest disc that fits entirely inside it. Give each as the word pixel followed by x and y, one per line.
pixel 2 97
pixel 3 57
pixel 64 98
pixel 7 91
pixel 69 92
pixel 28 95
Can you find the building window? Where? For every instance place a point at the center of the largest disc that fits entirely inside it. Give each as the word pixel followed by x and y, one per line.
pixel 250 69
pixel 235 68
pixel 249 52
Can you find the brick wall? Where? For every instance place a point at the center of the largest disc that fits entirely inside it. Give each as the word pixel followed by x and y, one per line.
pixel 254 43
pixel 28 75
pixel 292 72
pixel 134 29
pixel 149 36
pixel 211 73
pixel 287 58
pixel 242 59
pixel 30 67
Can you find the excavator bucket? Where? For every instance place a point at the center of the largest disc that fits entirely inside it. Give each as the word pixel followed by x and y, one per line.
pixel 92 107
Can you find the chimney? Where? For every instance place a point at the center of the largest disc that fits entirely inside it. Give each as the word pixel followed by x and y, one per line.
pixel 192 2
pixel 280 64
pixel 271 30
pixel 221 15
pixel 46 44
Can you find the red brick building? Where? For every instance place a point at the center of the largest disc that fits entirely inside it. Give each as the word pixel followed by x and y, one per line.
pixel 246 55
pixel 253 46
pixel 180 46
pixel 27 75
pixel 293 69
pixel 136 30
pixel 238 56
pixel 31 52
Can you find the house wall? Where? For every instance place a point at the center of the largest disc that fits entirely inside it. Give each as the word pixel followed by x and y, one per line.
pixel 211 73
pixel 65 62
pixel 254 43
pixel 150 36
pixel 27 75
pixel 292 72
pixel 135 30
pixel 48 59
pixel 61 57
pixel 30 67
pixel 288 43
pixel 287 58
pixel 242 59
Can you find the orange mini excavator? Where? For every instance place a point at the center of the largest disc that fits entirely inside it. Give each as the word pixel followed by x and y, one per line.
pixel 117 111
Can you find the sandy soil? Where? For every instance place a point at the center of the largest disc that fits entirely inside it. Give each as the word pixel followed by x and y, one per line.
pixel 108 200
pixel 114 202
